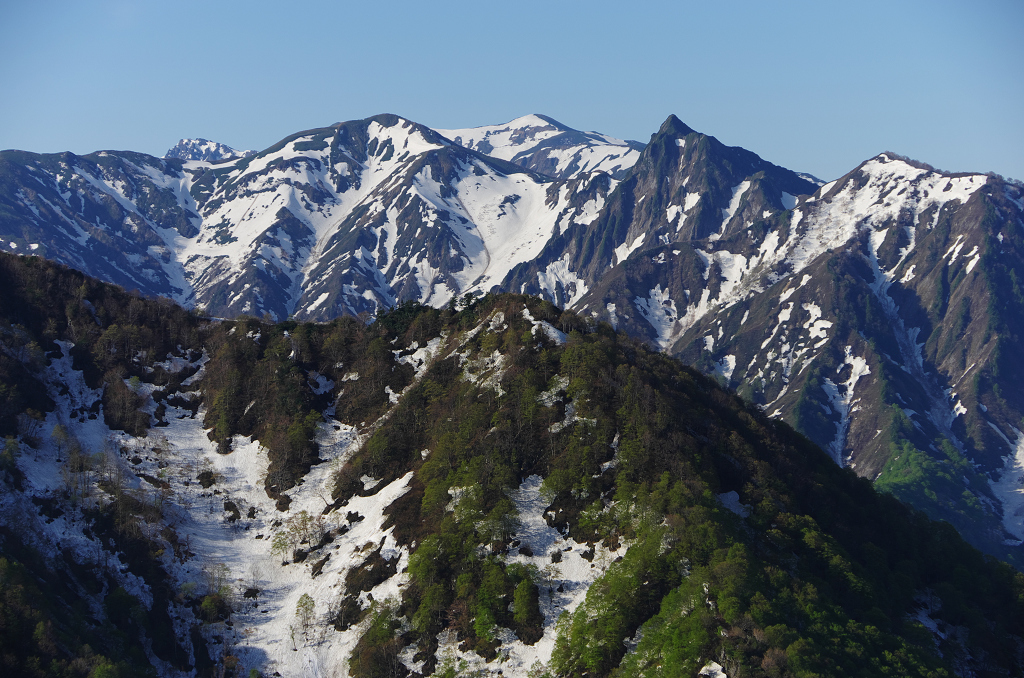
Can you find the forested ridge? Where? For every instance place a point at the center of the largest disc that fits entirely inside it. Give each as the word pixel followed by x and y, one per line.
pixel 806 570
pixel 823 577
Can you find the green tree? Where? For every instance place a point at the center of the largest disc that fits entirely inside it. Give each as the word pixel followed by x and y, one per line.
pixel 304 612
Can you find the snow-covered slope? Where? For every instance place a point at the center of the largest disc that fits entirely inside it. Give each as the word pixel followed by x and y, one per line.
pixel 339 220
pixel 884 211
pixel 207 545
pixel 871 312
pixel 542 144
pixel 877 314
pixel 219 531
pixel 687 191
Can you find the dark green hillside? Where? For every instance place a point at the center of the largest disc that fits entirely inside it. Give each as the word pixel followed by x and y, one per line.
pixel 822 579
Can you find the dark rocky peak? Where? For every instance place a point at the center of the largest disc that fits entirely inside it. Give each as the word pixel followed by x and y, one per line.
pixel 702 186
pixel 673 125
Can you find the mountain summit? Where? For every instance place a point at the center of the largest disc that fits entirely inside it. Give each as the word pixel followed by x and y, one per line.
pixel 204 150
pixel 339 220
pixel 544 145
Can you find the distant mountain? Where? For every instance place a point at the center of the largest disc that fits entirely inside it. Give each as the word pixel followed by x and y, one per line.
pixel 686 187
pixel 494 488
pixel 340 220
pixel 544 145
pixel 882 317
pixel 203 150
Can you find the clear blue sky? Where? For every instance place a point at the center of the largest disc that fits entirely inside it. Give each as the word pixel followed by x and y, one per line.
pixel 815 86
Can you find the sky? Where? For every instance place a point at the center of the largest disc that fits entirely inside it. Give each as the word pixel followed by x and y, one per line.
pixel 813 86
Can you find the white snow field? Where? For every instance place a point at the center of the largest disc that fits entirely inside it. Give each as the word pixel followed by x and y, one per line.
pixel 265 632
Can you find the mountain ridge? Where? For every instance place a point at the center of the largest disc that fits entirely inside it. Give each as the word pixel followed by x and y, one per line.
pixel 809 299
pixel 501 486
pixel 561 151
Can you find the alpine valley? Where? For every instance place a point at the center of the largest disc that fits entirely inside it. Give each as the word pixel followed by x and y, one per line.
pixel 390 400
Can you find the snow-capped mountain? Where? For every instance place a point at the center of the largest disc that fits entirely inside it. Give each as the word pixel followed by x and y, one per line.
pixel 878 313
pixel 885 325
pixel 873 312
pixel 686 187
pixel 334 221
pixel 205 150
pixel 544 145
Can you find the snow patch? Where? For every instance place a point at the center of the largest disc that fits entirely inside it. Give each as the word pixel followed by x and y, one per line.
pixel 659 310
pixel 558 276
pixel 623 251
pixel 1009 488
pixel 690 200
pixel 543 326
pixel 725 367
pixel 731 501
pixel 738 192
pixel 843 402
pixel 816 326
pixel 713 670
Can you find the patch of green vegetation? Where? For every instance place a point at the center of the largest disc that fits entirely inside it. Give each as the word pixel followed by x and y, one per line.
pixel 942 483
pixel 48 631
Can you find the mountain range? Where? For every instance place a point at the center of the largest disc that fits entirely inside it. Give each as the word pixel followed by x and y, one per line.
pixel 877 313
pixel 498 487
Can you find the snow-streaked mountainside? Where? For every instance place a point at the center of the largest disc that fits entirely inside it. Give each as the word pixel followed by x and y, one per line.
pixel 878 313
pixel 205 151
pixel 544 145
pixel 886 301
pixel 686 188
pixel 265 632
pixel 499 488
